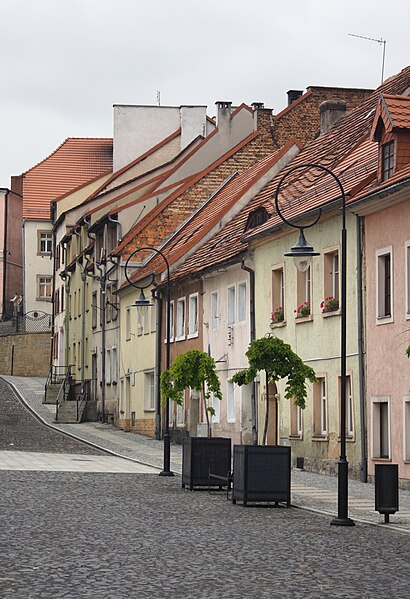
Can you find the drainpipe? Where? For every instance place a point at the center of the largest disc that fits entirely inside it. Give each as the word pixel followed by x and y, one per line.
pixel 4 301
pixel 102 280
pixel 361 351
pixel 252 338
pixel 116 222
pixel 158 349
pixel 53 302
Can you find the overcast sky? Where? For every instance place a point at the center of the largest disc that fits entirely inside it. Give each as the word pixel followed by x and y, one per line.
pixel 64 63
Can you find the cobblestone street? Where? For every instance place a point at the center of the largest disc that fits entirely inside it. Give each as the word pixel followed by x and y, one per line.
pixel 125 535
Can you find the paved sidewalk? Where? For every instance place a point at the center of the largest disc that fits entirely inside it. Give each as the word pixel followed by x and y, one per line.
pixel 309 491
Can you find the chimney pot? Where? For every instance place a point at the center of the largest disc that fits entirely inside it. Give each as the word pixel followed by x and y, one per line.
pixel 223 115
pixel 293 94
pixel 258 105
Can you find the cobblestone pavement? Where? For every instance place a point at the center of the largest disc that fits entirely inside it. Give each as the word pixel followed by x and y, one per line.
pixel 70 535
pixel 123 536
pixel 309 490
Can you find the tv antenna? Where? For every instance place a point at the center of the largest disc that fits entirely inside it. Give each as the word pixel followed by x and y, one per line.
pixel 158 97
pixel 381 41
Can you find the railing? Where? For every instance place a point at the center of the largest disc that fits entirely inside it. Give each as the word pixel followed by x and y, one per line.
pixel 64 390
pixel 57 374
pixel 31 322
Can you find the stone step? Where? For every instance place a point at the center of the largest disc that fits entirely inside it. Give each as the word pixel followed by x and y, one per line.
pixel 67 412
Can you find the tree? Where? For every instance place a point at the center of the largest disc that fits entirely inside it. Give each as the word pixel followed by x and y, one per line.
pixel 193 369
pixel 279 361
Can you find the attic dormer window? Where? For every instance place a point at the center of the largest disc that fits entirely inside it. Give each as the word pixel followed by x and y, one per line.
pixel 387 160
pixel 256 218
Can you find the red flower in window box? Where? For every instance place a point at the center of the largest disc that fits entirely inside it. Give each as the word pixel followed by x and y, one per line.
pixel 303 310
pixel 329 304
pixel 278 314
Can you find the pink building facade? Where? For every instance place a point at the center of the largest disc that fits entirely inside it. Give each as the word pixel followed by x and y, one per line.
pixel 11 267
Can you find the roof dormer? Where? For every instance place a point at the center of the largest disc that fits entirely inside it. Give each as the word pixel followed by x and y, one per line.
pixel 391 130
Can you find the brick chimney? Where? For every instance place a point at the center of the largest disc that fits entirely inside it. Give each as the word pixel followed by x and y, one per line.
pixel 223 114
pixel 293 94
pixel 330 112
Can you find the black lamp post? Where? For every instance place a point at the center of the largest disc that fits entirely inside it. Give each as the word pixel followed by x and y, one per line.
pixel 302 253
pixel 144 303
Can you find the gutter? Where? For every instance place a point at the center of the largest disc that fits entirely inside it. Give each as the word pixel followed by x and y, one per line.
pixel 252 338
pixel 361 349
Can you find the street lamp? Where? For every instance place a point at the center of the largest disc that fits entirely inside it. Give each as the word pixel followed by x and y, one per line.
pixel 143 303
pixel 302 253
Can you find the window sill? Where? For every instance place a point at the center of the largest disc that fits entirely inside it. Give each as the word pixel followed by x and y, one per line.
pixel 384 320
pixel 376 459
pixel 150 410
pixel 193 335
pixel 277 325
pixel 296 437
pixel 171 340
pixel 332 313
pixel 320 438
pixel 181 338
pixel 301 319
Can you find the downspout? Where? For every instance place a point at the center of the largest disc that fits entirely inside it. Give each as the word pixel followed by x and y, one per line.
pixel 23 254
pixel 102 279
pixel 361 350
pixel 53 301
pixel 116 222
pixel 4 301
pixel 252 338
pixel 158 349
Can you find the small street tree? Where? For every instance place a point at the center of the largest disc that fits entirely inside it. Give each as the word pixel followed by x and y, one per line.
pixel 193 369
pixel 279 361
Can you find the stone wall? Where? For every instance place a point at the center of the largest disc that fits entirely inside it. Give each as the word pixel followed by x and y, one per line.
pixel 30 356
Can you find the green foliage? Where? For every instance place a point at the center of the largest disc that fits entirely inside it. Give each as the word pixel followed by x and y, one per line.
pixel 408 352
pixel 279 361
pixel 193 369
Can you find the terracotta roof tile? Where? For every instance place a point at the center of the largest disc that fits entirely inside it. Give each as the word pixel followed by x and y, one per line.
pixel 345 149
pixel 73 163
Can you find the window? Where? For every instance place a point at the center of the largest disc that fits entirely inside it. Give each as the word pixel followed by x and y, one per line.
pixel 149 391
pixel 114 366
pixel 387 160
pixel 407 428
pixel 147 320
pixel 193 315
pixel 44 243
pixel 113 300
pixel 349 405
pixel 231 305
pixel 331 274
pixel 172 320
pixel 153 323
pixel 230 402
pixel 407 271
pixel 128 325
pixel 296 420
pixel 319 408
pixel 256 217
pixel 108 367
pixel 278 288
pixel 94 309
pixel 57 301
pixel 214 311
pixel 384 285
pixel 44 287
pixel 180 411
pixel 216 404
pixel 242 302
pixel 381 427
pixel 303 290
pixel 180 319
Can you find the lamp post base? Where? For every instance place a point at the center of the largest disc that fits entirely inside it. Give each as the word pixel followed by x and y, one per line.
pixel 166 473
pixel 342 522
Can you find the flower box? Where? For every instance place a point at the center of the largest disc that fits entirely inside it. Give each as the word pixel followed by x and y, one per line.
pixel 201 455
pixel 303 310
pixel 278 315
pixel 329 304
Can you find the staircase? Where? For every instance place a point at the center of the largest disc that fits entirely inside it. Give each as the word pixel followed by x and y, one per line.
pixel 67 411
pixel 52 391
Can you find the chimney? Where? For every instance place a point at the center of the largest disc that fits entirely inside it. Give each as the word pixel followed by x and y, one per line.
pixel 258 105
pixel 330 112
pixel 293 94
pixel 223 114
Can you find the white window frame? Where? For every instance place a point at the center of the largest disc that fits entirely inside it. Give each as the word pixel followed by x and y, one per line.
pixel 407 277
pixel 193 316
pixel 172 319
pixel 323 407
pixel 149 391
pixel 381 318
pixel 241 299
pixel 231 305
pixel 43 281
pixel 128 324
pixel 375 427
pixel 114 365
pixel 181 319
pixel 406 428
pixel 108 367
pixel 45 237
pixel 215 311
pixel 230 402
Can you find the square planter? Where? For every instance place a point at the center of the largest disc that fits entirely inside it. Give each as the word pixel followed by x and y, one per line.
pixel 200 455
pixel 261 473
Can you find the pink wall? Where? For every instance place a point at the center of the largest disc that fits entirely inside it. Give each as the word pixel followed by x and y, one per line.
pixel 13 251
pixel 388 368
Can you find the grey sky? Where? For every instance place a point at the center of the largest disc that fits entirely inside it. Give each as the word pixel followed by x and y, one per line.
pixel 64 63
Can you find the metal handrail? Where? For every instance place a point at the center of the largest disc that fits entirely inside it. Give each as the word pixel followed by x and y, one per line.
pixel 63 391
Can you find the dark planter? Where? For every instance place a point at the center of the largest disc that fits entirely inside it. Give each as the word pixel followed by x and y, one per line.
pixel 201 455
pixel 261 473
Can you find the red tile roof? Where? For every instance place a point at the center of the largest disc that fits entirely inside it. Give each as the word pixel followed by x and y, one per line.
pixel 73 163
pixel 207 216
pixel 345 149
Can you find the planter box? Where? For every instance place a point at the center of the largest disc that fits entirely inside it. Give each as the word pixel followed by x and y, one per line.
pixel 201 455
pixel 261 473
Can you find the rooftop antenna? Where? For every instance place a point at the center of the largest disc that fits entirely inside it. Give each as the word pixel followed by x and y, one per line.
pixel 371 39
pixel 158 97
